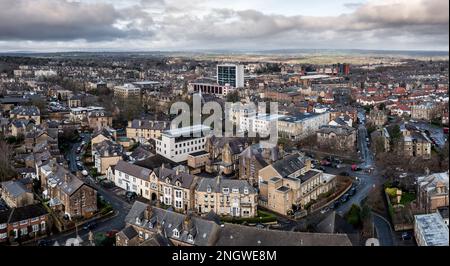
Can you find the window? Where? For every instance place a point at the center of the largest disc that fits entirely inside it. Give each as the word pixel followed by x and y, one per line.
pixel 2 226
pixel 226 190
pixel 176 233
pixel 190 238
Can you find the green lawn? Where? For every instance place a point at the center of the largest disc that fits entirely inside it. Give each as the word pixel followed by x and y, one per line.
pixel 263 217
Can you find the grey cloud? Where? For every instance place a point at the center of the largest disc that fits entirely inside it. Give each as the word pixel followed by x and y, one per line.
pixel 41 20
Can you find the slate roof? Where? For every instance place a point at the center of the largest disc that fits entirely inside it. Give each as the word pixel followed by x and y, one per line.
pixel 186 180
pixel 26 111
pixel 289 165
pixel 133 170
pixel 108 148
pixel 147 124
pixel 22 213
pixel 129 232
pixel 238 235
pixel 14 188
pixel 203 232
pixel 218 184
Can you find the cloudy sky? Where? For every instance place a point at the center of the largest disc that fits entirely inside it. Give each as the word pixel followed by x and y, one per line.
pixel 146 25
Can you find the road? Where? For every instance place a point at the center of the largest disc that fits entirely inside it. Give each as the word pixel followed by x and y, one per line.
pixel 117 222
pixel 120 206
pixel 384 230
pixel 72 155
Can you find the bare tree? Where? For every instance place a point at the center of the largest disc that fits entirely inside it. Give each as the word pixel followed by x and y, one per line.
pixel 6 169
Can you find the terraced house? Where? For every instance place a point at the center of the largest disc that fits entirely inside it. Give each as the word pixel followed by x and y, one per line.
pixel 143 131
pixel 133 178
pixel 173 188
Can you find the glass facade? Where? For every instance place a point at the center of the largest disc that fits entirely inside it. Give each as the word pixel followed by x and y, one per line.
pixel 226 75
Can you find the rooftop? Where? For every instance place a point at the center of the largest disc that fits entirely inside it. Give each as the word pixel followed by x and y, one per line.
pixel 433 229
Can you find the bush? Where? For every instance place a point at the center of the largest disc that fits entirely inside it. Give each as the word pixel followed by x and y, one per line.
pixel 354 215
pixel 106 210
pixel 392 192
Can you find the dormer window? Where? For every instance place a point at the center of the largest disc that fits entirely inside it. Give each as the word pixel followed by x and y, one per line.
pixel 190 238
pixel 246 191
pixel 176 233
pixel 208 189
pixel 178 184
pixel 167 180
pixel 138 220
pixel 235 190
pixel 226 190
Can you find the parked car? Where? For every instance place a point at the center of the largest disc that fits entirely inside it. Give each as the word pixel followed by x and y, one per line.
pixel 406 236
pixel 44 243
pixel 89 226
pixel 325 163
pixel 352 191
pixel 131 195
pixel 111 234
pixel 344 174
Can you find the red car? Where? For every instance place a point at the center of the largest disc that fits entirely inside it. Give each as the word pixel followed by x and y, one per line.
pixel 111 233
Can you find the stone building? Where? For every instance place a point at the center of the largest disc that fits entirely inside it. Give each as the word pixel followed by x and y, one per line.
pixel 337 138
pixel 432 192
pixel 291 184
pixel 226 197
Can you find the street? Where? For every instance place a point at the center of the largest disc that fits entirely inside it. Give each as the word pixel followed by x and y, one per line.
pixel 120 206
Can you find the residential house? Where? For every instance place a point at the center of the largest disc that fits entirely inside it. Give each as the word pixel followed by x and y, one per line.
pixel 27 113
pixel 337 138
pixel 16 194
pixel 291 184
pixel 432 192
pixel 67 193
pixel 226 197
pixel 105 154
pixel 415 143
pixel 143 131
pixel 134 178
pixel 24 223
pixel 99 119
pixel 173 188
pixel 377 117
pixel 255 158
pixel 145 223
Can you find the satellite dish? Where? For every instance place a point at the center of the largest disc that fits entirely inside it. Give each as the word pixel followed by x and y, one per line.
pixel 372 242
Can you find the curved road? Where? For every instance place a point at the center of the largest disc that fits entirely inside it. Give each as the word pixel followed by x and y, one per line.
pixel 383 229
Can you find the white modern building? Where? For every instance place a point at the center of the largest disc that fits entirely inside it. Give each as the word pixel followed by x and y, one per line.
pixel 230 74
pixel 430 230
pixel 212 89
pixel 177 144
pixel 127 90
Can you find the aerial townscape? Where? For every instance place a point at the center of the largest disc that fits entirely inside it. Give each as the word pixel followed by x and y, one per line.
pixel 356 152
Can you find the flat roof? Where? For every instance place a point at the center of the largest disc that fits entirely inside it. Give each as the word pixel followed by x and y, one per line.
pixel 433 229
pixel 178 132
pixel 267 117
pixel 146 82
pixel 199 153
